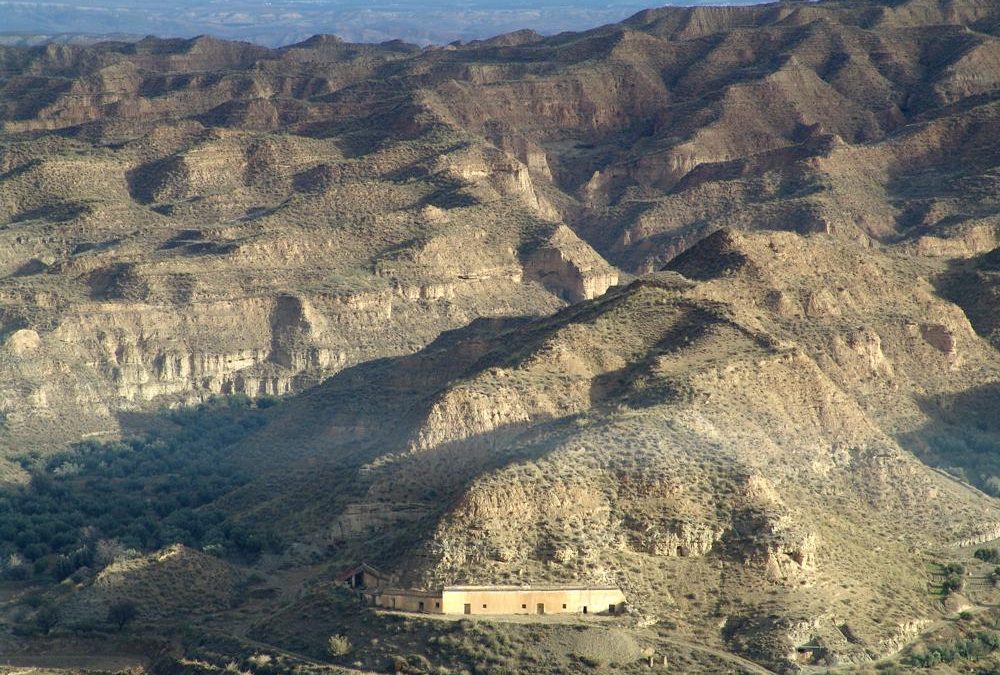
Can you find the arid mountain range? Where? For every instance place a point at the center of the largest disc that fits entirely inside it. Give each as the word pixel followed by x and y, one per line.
pixel 277 23
pixel 703 304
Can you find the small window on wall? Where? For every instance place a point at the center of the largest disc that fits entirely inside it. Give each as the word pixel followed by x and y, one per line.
pixel 437 605
pixel 524 606
pixel 484 605
pixel 564 605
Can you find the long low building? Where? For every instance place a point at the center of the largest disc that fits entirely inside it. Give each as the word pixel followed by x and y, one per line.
pixel 506 600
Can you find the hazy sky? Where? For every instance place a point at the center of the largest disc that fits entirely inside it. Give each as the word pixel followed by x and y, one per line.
pixel 279 22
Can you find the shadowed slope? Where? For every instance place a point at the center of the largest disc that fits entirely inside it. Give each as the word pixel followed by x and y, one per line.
pixel 726 449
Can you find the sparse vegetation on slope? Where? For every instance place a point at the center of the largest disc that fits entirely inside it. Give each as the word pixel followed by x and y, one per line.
pixel 656 438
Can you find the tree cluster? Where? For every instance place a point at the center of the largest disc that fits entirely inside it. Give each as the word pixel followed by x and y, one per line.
pixel 143 493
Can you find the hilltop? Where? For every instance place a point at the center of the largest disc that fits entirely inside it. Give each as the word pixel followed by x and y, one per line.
pixel 727 445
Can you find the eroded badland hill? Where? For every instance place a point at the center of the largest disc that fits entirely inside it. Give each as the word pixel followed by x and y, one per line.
pixel 703 304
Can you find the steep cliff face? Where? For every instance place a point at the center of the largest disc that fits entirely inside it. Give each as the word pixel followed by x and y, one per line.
pixel 568 266
pixel 239 263
pixel 110 356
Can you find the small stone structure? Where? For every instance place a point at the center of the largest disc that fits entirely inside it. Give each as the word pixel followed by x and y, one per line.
pixel 363 577
pixel 506 600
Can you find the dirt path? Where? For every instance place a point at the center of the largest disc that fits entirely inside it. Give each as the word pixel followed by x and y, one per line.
pixel 729 657
pixel 284 652
pixel 111 662
pixel 574 619
pixel 302 657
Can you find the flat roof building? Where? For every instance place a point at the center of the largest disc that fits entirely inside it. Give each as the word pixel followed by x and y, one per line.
pixel 506 600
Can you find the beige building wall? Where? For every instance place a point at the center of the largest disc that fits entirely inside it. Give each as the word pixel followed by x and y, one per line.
pixel 411 601
pixel 531 600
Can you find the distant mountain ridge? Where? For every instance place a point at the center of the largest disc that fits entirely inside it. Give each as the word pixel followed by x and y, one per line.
pixel 39 39
pixel 282 22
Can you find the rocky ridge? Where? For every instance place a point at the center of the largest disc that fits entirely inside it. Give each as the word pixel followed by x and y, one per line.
pixel 730 429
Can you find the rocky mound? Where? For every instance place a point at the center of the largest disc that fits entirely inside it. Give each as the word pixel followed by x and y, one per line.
pixel 727 447
pixel 175 583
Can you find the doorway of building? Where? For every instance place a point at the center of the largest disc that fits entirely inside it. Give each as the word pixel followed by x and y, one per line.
pixel 420 606
pixel 584 609
pixel 611 609
pixel 468 608
pixel 541 608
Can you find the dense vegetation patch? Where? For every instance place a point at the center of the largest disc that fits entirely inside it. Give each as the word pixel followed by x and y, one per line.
pixel 99 501
pixel 966 446
pixel 969 643
pixel 973 648
pixel 954 578
pixel 990 555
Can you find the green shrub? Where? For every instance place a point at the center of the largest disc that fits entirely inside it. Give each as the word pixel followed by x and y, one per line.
pixel 953 569
pixel 982 645
pixel 951 585
pixel 46 619
pixel 338 645
pixel 122 612
pixel 17 573
pixel 954 578
pixel 990 555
